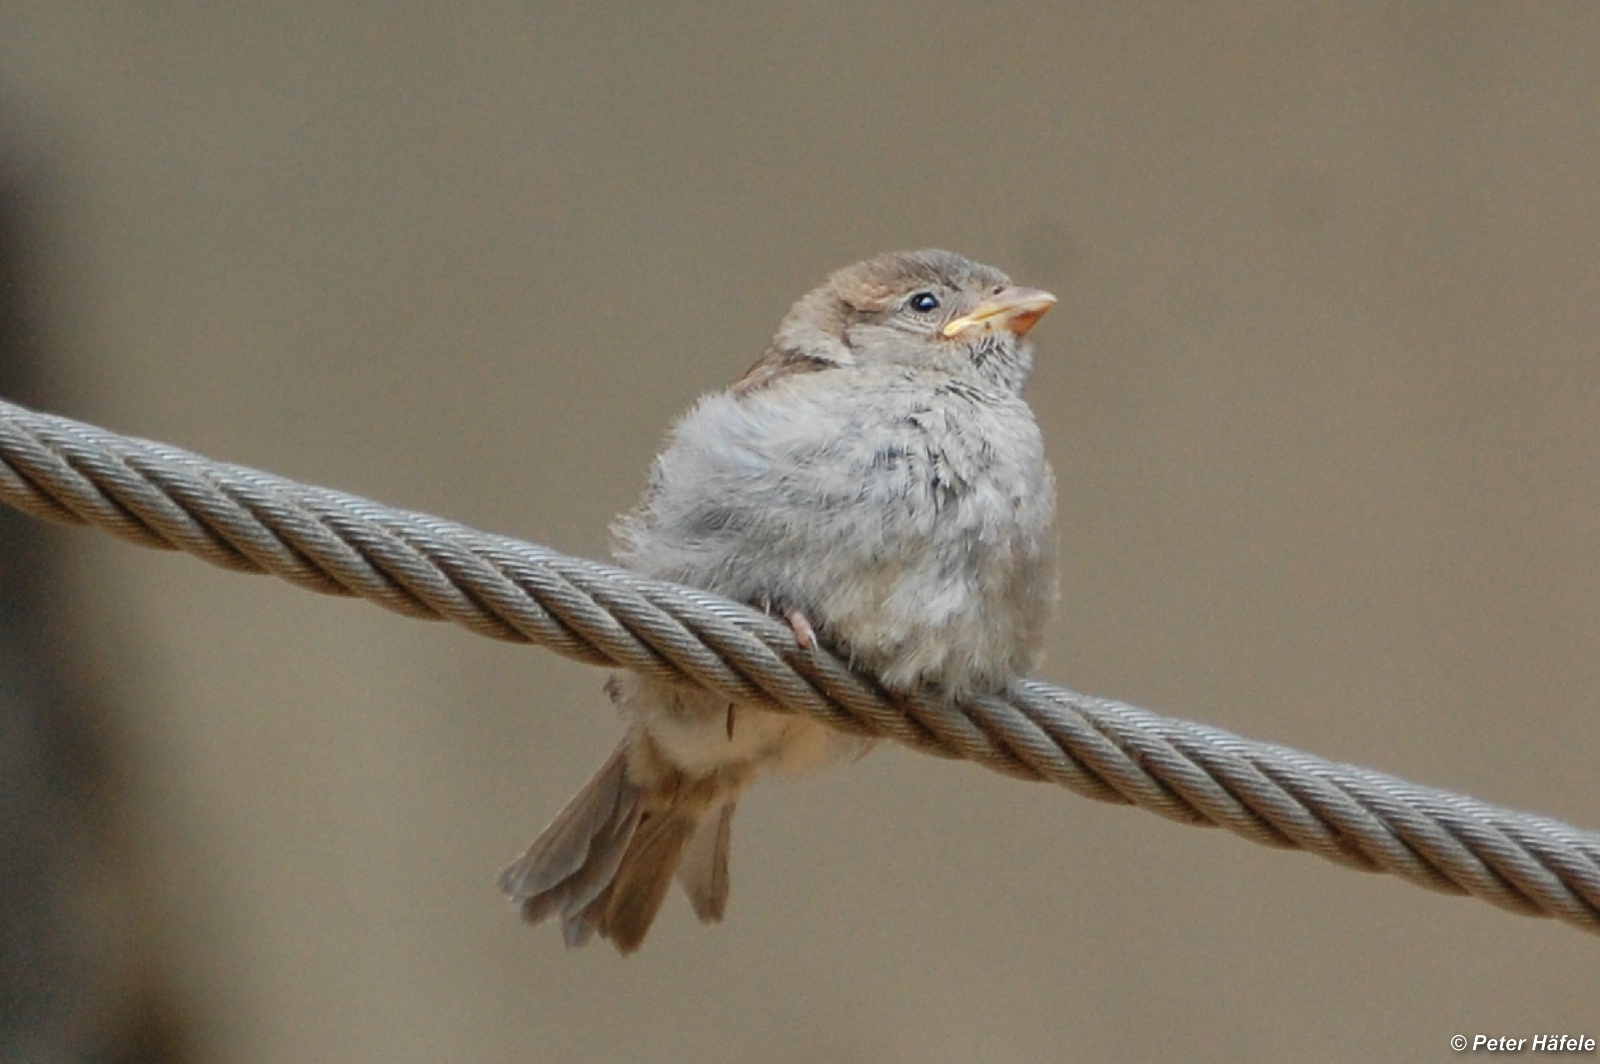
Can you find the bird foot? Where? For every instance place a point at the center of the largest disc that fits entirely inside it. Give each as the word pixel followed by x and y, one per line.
pixel 804 634
pixel 799 623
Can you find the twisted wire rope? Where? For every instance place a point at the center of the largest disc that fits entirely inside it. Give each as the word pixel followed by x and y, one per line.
pixel 427 567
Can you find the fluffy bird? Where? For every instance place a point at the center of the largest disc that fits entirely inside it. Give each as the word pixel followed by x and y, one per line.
pixel 877 480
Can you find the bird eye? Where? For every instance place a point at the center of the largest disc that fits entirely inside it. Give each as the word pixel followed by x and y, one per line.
pixel 923 302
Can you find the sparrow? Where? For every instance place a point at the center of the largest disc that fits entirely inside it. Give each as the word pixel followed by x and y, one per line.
pixel 877 480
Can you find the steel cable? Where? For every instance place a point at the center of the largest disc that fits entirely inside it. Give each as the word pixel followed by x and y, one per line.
pixel 497 586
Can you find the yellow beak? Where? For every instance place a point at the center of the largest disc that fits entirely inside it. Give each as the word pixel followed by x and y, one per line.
pixel 1015 308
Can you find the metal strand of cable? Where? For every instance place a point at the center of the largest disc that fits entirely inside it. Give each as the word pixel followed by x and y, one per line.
pixel 424 566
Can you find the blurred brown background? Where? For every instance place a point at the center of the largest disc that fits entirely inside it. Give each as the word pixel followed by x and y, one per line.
pixel 1322 394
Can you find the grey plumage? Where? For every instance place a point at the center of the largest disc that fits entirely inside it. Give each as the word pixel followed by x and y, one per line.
pixel 876 476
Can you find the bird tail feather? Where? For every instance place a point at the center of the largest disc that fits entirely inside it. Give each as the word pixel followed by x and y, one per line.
pixel 606 861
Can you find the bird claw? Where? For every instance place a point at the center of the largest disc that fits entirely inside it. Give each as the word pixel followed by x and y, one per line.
pixel 799 624
pixel 804 634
